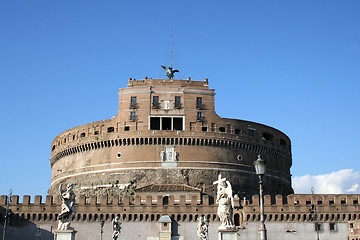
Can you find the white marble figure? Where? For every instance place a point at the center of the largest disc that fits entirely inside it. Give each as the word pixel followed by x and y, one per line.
pixel 67 207
pixel 202 229
pixel 169 154
pixel 225 202
pixel 116 228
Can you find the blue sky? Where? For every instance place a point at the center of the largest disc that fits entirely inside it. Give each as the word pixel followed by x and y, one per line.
pixel 292 65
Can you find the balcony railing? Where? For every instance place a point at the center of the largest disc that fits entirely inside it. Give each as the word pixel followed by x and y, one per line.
pixel 200 106
pixel 133 105
pixel 132 119
pixel 156 106
pixel 200 119
pixel 177 105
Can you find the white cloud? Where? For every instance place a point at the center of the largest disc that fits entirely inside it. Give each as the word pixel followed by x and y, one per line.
pixel 344 181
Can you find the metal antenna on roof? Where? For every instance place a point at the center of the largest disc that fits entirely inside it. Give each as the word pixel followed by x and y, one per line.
pixel 170 71
pixel 171 51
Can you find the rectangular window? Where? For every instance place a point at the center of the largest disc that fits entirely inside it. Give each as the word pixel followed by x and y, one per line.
pixel 317 226
pixel 228 128
pixel 177 102
pixel 213 127
pixel 199 104
pixel 133 103
pixel 199 116
pixel 177 123
pixel 156 103
pixel 166 123
pixel 332 227
pixel 252 133
pixel 132 117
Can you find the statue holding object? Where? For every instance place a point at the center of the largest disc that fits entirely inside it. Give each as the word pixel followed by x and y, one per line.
pixel 225 202
pixel 67 207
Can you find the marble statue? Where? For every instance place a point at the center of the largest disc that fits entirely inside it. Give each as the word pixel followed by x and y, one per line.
pixel 67 207
pixel 202 229
pixel 225 202
pixel 116 228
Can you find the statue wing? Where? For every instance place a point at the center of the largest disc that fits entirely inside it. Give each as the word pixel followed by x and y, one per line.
pixel 229 192
pixel 61 192
pixel 175 70
pixel 163 67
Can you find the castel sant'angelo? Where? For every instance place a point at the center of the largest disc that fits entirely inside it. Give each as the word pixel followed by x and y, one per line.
pixel 167 132
pixel 159 156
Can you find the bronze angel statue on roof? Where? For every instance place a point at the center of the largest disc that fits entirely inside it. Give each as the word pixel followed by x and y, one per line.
pixel 169 71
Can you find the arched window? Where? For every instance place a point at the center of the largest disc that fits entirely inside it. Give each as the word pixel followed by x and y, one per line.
pixel 166 200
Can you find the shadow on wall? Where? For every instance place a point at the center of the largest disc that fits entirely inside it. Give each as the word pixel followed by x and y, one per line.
pixel 20 229
pixel 174 228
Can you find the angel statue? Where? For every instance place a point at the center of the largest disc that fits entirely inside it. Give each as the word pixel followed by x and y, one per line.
pixel 67 207
pixel 225 202
pixel 202 229
pixel 116 228
pixel 169 71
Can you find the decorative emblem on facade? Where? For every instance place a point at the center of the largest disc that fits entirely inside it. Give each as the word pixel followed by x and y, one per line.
pixel 169 157
pixel 166 104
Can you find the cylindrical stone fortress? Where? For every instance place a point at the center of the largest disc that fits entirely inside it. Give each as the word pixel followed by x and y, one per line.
pixel 167 132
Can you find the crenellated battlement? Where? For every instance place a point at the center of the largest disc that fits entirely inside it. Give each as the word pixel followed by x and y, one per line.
pixel 293 208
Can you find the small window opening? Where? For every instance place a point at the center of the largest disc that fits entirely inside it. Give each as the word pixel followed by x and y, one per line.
pixel 132 117
pixel 252 133
pixel 199 104
pixel 317 226
pixel 133 103
pixel 166 200
pixel 228 128
pixel 332 227
pixel 204 129
pixel 221 129
pixel 267 136
pixel 82 135
pixel 156 103
pixel 96 133
pixel 177 103
pixel 237 131
pixel 199 116
pixel 213 127
pixel 110 129
pixel 126 128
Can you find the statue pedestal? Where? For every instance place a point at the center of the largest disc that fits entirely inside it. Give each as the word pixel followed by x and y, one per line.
pixel 64 234
pixel 227 234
